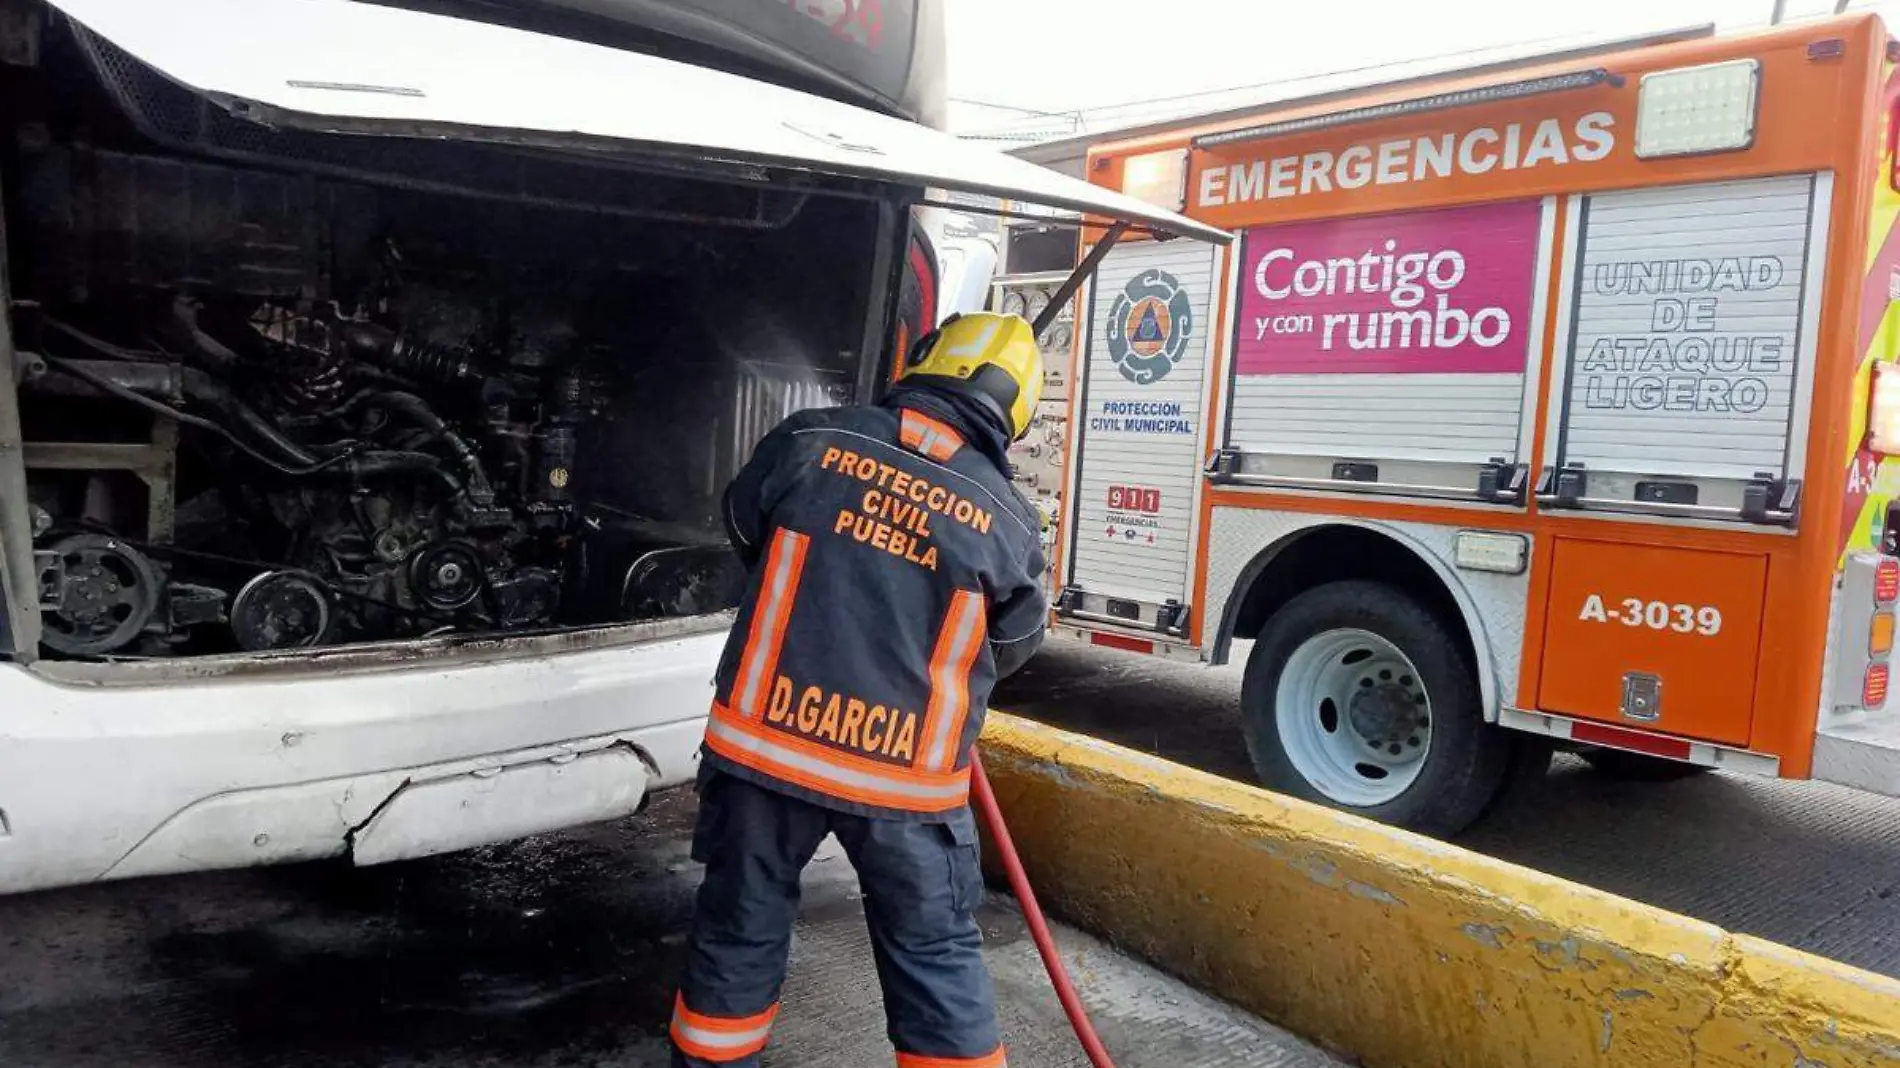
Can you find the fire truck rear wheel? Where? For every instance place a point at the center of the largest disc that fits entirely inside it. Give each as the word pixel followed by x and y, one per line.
pixel 1635 767
pixel 1359 697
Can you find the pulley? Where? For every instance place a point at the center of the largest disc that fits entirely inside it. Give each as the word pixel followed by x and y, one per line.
pixel 446 575
pixel 281 610
pixel 97 594
pixel 682 580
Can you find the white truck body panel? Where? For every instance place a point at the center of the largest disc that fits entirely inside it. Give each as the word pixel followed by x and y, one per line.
pixel 1338 358
pixel 1615 412
pixel 1140 431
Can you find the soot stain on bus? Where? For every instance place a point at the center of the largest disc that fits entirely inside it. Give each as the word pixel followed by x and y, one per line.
pixel 284 391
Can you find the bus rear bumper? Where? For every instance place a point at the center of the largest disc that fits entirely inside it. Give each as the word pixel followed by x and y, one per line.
pixel 115 781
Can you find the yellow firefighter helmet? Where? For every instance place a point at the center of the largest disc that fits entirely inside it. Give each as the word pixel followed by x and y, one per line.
pixel 987 355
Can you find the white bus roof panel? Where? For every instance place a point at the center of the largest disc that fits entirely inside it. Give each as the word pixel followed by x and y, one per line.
pixel 409 73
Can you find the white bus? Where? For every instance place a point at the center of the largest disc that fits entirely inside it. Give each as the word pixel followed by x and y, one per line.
pixel 376 371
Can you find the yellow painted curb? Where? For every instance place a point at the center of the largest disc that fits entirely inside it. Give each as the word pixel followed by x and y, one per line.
pixel 1399 950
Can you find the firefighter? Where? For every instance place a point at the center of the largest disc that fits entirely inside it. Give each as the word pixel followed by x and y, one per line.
pixel 895 576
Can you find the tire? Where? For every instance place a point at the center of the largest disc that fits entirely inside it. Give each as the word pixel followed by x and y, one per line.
pixel 1530 761
pixel 1433 770
pixel 1635 767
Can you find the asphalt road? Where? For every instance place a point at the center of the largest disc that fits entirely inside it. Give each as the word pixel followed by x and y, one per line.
pixel 555 952
pixel 561 950
pixel 1805 864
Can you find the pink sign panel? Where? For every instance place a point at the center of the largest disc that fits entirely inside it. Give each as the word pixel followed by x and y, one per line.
pixel 1424 292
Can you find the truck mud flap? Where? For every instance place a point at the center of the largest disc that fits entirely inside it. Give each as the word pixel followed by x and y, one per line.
pixel 1397 950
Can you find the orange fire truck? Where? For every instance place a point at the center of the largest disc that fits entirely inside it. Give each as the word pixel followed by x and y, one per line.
pixel 1536 407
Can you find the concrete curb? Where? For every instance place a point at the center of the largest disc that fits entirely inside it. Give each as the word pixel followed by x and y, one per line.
pixel 1402 951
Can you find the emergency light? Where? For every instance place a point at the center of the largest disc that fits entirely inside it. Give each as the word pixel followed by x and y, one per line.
pixel 1883 410
pixel 1158 178
pixel 1880 634
pixel 1504 554
pixel 1874 685
pixel 1708 108
pixel 1487 94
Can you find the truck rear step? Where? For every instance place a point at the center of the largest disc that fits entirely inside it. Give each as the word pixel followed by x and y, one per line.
pixel 1864 755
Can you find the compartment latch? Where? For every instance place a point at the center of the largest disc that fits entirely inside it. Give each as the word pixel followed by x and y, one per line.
pixel 1768 499
pixel 1563 487
pixel 1642 696
pixel 1223 465
pixel 1503 482
pixel 1069 600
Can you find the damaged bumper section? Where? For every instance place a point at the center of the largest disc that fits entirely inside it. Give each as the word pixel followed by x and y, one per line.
pixel 406 813
pixel 509 796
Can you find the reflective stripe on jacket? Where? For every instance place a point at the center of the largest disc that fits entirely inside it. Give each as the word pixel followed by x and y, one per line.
pixel 895 576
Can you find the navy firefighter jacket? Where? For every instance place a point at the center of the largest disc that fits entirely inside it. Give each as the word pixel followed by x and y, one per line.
pixel 895 575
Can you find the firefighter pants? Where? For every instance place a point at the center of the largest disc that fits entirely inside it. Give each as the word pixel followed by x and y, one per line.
pixel 921 885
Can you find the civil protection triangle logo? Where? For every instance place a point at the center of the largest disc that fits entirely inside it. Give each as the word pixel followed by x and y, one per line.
pixel 1149 326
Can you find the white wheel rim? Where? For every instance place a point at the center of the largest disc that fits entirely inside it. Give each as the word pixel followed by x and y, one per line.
pixel 1354 717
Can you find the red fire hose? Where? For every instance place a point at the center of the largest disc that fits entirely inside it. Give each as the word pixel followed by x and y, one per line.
pixel 1032 914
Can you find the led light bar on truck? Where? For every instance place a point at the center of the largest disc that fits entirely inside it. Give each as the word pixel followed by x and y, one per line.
pixel 1555 83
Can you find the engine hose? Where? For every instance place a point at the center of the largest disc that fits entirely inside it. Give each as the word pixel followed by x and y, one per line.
pixel 385 462
pixel 210 349
pixel 106 385
pixel 117 352
pixel 1032 915
pixel 207 390
pixel 419 411
pixel 196 385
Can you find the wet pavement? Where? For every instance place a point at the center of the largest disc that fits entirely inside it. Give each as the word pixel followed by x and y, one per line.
pixel 560 950
pixel 1809 865
pixel 556 951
